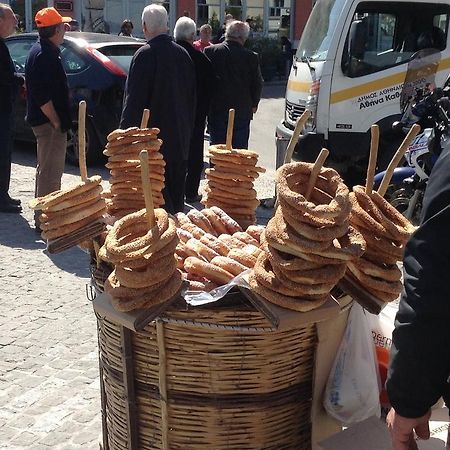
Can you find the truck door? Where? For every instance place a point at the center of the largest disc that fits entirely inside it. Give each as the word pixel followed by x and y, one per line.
pixel 372 62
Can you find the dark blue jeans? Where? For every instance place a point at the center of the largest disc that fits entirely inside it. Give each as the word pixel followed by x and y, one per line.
pixel 218 123
pixel 5 153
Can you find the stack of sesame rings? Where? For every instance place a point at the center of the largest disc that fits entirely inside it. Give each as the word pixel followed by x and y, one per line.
pixel 386 232
pixel 230 183
pixel 123 147
pixel 145 271
pixel 309 242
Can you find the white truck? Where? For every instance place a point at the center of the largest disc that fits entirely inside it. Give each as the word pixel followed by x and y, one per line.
pixel 352 67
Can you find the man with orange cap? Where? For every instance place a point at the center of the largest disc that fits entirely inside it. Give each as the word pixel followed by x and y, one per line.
pixel 48 108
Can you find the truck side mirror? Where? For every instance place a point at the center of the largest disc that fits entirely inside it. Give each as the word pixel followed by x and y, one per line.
pixel 355 47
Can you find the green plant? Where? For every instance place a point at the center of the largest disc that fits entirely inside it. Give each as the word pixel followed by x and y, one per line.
pixel 215 24
pixel 268 49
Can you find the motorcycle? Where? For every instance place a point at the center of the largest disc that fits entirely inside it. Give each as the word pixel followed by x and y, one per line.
pixel 429 108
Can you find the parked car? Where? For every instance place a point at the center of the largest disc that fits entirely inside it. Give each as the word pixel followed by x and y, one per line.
pixel 97 66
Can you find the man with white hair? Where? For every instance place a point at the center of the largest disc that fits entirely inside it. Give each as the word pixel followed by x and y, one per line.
pixel 185 31
pixel 162 79
pixel 239 85
pixel 9 83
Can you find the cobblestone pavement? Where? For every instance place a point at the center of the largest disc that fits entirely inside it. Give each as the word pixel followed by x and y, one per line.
pixel 49 385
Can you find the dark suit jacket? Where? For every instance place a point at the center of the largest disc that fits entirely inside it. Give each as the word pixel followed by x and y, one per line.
pixel 205 77
pixel 9 80
pixel 239 78
pixel 162 79
pixel 420 360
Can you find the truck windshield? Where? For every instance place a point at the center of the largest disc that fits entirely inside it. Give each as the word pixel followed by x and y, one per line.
pixel 316 37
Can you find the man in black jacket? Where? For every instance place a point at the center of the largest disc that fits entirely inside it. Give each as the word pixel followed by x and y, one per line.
pixel 239 85
pixel 420 361
pixel 48 108
pixel 162 79
pixel 9 83
pixel 185 31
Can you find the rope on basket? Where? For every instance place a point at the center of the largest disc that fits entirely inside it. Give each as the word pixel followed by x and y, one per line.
pixel 163 384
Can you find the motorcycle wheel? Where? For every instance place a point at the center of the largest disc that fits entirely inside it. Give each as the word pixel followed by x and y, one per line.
pixel 400 200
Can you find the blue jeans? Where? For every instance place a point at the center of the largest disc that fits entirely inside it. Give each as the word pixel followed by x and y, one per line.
pixel 218 122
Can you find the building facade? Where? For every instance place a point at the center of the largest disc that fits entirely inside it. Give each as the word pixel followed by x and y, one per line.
pixel 266 17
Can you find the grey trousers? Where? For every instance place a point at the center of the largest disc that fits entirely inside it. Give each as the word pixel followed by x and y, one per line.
pixel 51 155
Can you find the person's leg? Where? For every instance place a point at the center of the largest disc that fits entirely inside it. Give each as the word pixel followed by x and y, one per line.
pixel 173 192
pixel 217 128
pixel 51 154
pixel 5 155
pixel 241 133
pixel 195 162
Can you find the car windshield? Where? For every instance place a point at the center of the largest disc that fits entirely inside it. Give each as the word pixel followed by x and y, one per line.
pixel 316 37
pixel 120 54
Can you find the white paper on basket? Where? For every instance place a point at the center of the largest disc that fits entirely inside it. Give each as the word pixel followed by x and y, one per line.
pixel 196 298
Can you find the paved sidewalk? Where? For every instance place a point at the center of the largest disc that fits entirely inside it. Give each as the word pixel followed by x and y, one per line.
pixel 49 386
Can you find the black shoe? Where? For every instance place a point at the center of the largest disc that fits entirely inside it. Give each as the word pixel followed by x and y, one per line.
pixel 193 199
pixel 9 208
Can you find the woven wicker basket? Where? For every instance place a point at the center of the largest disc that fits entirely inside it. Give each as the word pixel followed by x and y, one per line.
pixel 207 378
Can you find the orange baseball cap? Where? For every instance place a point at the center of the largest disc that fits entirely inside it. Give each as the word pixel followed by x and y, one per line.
pixel 47 17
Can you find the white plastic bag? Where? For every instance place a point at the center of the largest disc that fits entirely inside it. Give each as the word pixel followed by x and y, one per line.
pixel 352 391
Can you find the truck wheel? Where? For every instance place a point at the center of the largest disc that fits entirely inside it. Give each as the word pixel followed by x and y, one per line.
pixel 93 148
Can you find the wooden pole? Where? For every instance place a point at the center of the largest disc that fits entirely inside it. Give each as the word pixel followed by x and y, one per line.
pixel 147 187
pixel 229 143
pixel 315 171
pixel 296 135
pixel 145 118
pixel 413 132
pixel 374 142
pixel 82 139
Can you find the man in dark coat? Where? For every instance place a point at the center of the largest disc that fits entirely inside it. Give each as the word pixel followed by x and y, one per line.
pixel 185 31
pixel 419 371
pixel 162 79
pixel 239 85
pixel 9 83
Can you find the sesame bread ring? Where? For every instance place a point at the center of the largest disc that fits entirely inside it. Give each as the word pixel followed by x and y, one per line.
pixel 304 304
pixel 329 181
pixel 51 221
pixel 264 275
pixel 151 298
pixel 231 209
pixel 136 137
pixel 288 262
pixel 392 287
pixel 233 159
pixel 121 133
pixel 377 256
pixel 153 157
pixel 236 167
pixel 227 176
pixel 215 220
pixel 383 296
pixel 207 270
pixel 215 244
pixel 230 241
pixel 188 250
pixel 76 200
pixel 243 257
pixel 385 246
pixel 235 203
pixel 54 198
pixel 197 218
pixel 230 224
pixel 360 215
pixel 387 272
pixel 278 231
pixel 230 265
pixel 134 148
pixel 232 192
pixel 221 149
pixel 139 246
pixel 226 185
pixel 151 275
pixel 201 249
pixel 252 250
pixel 311 232
pixel 403 226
